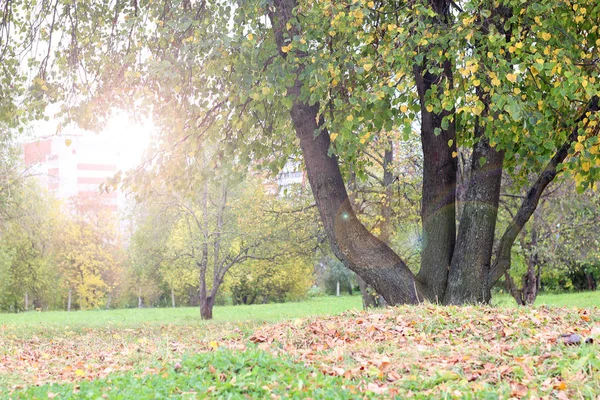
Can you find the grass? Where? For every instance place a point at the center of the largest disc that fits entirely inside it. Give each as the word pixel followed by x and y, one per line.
pixel 136 317
pixel 579 299
pixel 303 350
pixel 222 374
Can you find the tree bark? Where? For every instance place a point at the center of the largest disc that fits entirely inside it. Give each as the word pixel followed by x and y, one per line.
pixel 350 241
pixel 368 299
pixel 206 304
pixel 172 298
pixel 438 205
pixel 467 278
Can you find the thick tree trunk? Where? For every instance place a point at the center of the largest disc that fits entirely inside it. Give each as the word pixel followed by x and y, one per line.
pixel 467 279
pixel 350 241
pixel 438 208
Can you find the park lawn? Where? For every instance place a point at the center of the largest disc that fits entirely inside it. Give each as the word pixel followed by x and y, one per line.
pixel 183 316
pixel 426 351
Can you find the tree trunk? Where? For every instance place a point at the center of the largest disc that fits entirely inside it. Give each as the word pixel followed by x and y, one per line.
pixel 591 282
pixel 368 299
pixel 438 207
pixel 530 278
pixel 206 308
pixel 108 301
pixel 467 279
pixel 70 297
pixel 350 241
pixel 26 301
pixel 172 298
pixel 337 288
pixel 140 304
pixel 206 303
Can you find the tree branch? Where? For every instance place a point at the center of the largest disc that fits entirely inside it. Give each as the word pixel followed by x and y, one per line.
pixel 530 202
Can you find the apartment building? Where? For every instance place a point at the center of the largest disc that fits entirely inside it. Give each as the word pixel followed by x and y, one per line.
pixel 73 167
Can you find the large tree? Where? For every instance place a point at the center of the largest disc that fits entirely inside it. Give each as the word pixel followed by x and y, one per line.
pixel 511 85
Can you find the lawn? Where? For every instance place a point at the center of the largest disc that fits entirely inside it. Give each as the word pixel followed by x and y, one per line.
pixel 136 317
pixel 307 349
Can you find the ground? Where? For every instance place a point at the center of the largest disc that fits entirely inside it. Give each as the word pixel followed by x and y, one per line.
pixel 304 350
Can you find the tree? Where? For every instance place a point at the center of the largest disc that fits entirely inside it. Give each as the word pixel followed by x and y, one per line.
pixel 514 86
pixel 88 256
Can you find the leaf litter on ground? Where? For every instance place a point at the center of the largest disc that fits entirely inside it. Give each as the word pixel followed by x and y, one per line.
pixel 411 351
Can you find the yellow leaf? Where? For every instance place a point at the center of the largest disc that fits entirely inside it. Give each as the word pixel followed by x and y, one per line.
pixel 333 136
pixel 496 82
pixel 580 138
pixel 79 372
pixel 368 67
pixel 586 166
pixel 250 36
pixel 349 118
pixel 429 108
pixel 511 77
pixel 371 4
pixel 403 108
pixel 265 91
pixel 287 48
pixel 476 82
pixel 561 386
pixel 546 36
pixel 578 147
pixel 454 154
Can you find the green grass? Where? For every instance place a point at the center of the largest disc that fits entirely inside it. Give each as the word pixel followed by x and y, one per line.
pixel 222 374
pixel 137 317
pixel 580 299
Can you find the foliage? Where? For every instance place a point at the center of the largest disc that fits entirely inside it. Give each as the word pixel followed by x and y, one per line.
pixel 87 254
pixel 566 241
pixel 284 279
pixel 27 249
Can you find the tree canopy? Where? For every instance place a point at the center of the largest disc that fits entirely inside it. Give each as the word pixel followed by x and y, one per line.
pixel 513 86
